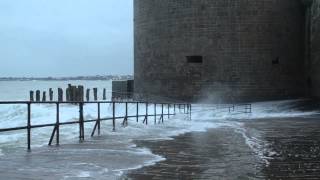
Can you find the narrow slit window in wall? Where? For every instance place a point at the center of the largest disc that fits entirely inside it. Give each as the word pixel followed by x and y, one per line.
pixel 276 61
pixel 195 59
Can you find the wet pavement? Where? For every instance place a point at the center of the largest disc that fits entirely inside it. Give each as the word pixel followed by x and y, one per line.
pixel 290 149
pixel 216 154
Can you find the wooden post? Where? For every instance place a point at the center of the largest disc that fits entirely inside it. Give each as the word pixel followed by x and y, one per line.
pixel 174 109
pixel 104 94
pixel 95 93
pixel 44 98
pixel 114 116
pixel 38 96
pixel 137 111
pixel 60 95
pixel 29 126
pixel 88 95
pixel 51 94
pixel 80 93
pixel 31 96
pixel 68 93
pixel 73 93
pixel 168 111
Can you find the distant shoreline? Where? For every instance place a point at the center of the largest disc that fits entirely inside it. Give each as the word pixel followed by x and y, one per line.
pixel 87 78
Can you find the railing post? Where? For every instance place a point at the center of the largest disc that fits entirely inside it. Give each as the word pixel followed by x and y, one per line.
pixel 168 111
pixel 97 124
pixel 155 113
pixel 184 108
pixel 29 126
pixel 174 109
pixel 125 120
pixel 137 111
pixel 146 116
pixel 113 116
pixel 57 124
pixel 99 119
pixel 190 110
pixel 81 123
pixel 126 109
pixel 162 112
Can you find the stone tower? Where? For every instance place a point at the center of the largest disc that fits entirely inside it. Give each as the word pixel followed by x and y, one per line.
pixel 232 50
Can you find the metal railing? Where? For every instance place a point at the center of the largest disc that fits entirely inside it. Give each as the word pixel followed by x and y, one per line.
pixel 158 117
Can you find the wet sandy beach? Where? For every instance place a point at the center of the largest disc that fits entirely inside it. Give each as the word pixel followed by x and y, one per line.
pixel 285 148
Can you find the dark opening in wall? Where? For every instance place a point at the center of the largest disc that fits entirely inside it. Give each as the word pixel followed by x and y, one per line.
pixel 309 82
pixel 276 61
pixel 195 59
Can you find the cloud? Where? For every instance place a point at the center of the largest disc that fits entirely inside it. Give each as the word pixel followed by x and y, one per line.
pixel 66 37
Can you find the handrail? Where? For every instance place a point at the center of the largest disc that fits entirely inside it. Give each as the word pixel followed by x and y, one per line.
pixel 81 121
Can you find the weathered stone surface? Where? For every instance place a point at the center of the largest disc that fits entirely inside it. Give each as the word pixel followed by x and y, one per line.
pixel 313 43
pixel 251 49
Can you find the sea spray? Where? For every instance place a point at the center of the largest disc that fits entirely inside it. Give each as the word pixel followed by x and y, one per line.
pixel 118 145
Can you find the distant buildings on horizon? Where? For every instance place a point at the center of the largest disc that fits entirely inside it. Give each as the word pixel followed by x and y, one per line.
pixel 88 78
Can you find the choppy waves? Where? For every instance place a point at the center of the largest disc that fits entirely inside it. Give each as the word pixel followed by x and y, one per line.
pixel 203 117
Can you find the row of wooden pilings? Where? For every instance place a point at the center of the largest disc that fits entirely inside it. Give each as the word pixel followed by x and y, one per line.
pixel 72 93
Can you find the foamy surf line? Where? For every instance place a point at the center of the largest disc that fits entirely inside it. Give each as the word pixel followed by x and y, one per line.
pixel 260 110
pixel 157 158
pixel 203 118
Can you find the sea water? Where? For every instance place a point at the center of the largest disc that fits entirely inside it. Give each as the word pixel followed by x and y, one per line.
pixel 118 148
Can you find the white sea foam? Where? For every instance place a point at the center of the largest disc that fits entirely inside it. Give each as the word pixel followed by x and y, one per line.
pixel 203 117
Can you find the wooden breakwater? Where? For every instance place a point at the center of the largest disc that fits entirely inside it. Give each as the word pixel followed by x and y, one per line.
pixel 167 110
pixel 71 93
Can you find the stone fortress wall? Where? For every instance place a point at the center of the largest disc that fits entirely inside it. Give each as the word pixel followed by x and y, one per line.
pixel 232 50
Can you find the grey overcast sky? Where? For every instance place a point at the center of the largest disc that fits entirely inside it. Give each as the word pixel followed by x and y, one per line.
pixel 43 38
